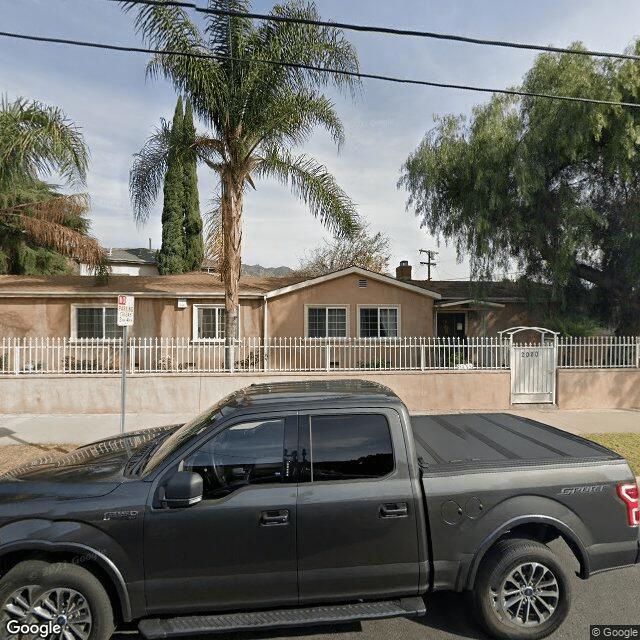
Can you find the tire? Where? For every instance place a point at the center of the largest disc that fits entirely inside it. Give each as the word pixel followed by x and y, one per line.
pixel 521 591
pixel 36 595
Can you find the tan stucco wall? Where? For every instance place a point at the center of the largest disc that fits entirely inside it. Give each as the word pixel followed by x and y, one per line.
pixel 286 312
pixel 154 317
pixel 598 389
pixel 34 317
pixel 440 391
pixel 422 392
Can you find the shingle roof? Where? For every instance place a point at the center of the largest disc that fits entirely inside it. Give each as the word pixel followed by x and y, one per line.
pixel 196 283
pixel 209 284
pixel 135 256
pixel 472 289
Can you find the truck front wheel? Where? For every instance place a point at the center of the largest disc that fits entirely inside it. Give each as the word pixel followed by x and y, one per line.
pixel 522 591
pixel 61 600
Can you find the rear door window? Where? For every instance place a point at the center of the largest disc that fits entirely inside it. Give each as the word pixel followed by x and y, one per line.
pixel 348 447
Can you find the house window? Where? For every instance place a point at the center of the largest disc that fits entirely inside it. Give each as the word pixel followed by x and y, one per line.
pixel 326 322
pixel 95 322
pixel 378 322
pixel 208 322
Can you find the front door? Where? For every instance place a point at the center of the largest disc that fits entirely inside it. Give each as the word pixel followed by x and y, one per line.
pixel 357 530
pixel 451 325
pixel 236 548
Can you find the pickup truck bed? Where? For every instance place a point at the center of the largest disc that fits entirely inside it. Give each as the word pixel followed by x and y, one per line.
pixel 479 469
pixel 484 440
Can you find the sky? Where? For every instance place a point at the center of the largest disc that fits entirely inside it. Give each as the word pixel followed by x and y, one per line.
pixel 106 95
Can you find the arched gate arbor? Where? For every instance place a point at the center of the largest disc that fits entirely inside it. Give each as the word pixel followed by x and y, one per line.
pixel 533 365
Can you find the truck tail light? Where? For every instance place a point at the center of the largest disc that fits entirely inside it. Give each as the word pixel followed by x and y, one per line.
pixel 628 493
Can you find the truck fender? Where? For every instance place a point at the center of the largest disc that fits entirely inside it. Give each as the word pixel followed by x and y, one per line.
pixel 532 510
pixel 13 539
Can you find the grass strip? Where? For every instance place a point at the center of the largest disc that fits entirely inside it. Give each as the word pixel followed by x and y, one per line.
pixel 626 444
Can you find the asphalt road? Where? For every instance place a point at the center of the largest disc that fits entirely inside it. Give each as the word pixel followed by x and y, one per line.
pixel 608 598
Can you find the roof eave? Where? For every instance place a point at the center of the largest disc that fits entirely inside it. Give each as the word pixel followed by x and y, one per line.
pixel 349 271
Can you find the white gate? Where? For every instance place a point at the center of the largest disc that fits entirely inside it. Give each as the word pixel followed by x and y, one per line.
pixel 533 366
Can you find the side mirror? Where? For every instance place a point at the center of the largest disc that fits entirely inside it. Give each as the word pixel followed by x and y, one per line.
pixel 184 489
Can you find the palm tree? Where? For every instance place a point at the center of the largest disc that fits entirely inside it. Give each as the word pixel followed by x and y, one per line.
pixel 257 113
pixel 37 139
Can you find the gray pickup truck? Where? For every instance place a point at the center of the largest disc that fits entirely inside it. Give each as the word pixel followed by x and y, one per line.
pixel 303 503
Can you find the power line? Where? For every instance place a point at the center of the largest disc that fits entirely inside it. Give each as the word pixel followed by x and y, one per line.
pixel 296 65
pixel 385 30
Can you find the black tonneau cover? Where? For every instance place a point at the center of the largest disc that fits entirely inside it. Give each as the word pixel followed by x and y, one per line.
pixel 480 440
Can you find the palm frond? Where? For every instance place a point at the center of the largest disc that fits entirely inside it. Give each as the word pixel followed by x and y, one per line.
pixel 316 187
pixel 291 119
pixel 213 231
pixel 37 139
pixel 317 46
pixel 169 28
pixel 148 171
pixel 44 223
pixel 204 146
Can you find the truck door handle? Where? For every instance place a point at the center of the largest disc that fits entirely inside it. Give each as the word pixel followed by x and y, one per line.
pixel 274 518
pixel 394 510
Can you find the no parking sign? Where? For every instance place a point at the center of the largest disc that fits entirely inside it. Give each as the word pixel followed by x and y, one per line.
pixel 125 311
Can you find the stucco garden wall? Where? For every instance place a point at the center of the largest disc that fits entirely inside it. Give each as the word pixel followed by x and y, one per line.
pixel 598 389
pixel 428 391
pixel 158 393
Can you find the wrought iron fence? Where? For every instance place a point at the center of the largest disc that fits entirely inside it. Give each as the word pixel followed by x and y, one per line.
pixel 182 355
pixel 20 356
pixel 603 352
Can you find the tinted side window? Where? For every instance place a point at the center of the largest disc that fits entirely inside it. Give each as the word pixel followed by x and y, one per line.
pixel 246 453
pixel 345 447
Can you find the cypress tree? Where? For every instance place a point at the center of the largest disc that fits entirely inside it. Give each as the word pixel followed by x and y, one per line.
pixel 193 242
pixel 170 257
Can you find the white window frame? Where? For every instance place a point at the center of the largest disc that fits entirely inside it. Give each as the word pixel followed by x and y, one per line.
pixel 194 324
pixel 326 306
pixel 74 320
pixel 378 307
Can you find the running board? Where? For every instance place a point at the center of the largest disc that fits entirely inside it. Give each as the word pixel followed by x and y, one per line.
pixel 153 628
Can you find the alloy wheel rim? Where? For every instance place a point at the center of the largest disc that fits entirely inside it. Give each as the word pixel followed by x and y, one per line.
pixel 528 596
pixel 62 606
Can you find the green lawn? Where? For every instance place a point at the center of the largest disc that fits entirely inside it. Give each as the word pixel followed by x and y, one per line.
pixel 626 444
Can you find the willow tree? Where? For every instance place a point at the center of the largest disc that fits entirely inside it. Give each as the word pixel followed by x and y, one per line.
pixel 550 186
pixel 257 106
pixel 37 222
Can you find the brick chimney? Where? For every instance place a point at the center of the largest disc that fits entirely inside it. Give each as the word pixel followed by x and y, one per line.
pixel 403 271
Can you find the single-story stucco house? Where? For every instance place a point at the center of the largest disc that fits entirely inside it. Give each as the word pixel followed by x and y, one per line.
pixel 347 303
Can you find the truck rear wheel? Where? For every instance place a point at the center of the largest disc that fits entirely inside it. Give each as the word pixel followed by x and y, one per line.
pixel 61 600
pixel 522 591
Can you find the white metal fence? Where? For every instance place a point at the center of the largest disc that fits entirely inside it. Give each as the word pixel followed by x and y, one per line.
pixel 180 355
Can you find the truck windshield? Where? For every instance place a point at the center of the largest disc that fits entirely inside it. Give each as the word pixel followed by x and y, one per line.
pixel 185 433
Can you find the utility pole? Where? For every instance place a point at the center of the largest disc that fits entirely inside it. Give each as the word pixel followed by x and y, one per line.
pixel 430 263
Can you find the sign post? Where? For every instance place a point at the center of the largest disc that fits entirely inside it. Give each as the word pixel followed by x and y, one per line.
pixel 124 319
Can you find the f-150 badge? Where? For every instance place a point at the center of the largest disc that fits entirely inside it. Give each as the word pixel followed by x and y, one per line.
pixel 120 515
